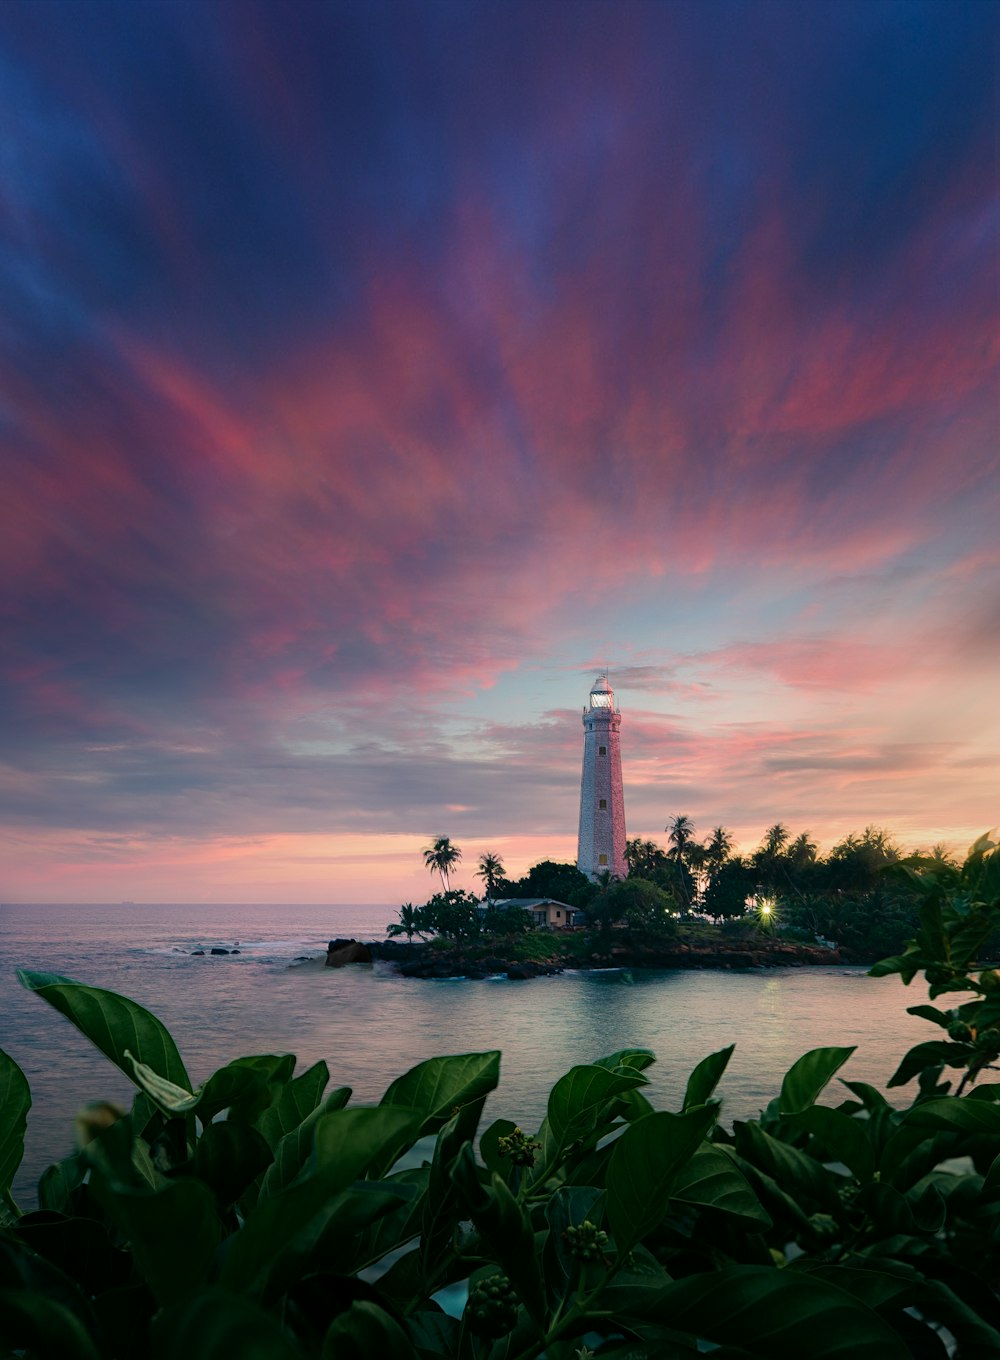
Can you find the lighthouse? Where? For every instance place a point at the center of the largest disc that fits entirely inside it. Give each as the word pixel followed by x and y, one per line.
pixel 601 845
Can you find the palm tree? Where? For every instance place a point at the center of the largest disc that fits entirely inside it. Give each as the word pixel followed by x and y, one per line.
pixel 775 840
pixel 685 855
pixel 409 924
pixel 644 859
pixel 491 872
pixel 802 851
pixel 441 858
pixel 681 835
pixel 717 848
pixel 769 859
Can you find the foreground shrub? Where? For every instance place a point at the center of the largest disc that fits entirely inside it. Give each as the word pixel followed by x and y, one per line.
pixel 263 1215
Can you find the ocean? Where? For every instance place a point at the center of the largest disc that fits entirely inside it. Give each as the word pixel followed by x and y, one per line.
pixel 275 996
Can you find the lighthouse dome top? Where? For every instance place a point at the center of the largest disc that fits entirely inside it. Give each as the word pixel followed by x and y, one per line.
pixel 601 693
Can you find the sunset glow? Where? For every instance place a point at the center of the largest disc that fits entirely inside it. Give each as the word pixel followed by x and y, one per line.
pixel 374 374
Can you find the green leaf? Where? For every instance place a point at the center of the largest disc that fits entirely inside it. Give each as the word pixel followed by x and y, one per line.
pixel 292 1152
pixel 173 1233
pixel 931 1054
pixel 119 1157
pixel 795 1171
pixel 911 1152
pixel 886 1210
pixel 876 1288
pixel 712 1180
pixel 434 1333
pixel 489 1145
pixel 347 1143
pixel 705 1078
pixel 298 1098
pixel 955 1112
pixel 392 1230
pixel 639 1058
pixel 79 1247
pixel 505 1228
pixel 59 1181
pixel 330 1240
pixel 570 1206
pixel 39 1325
pixel 907 964
pixel 233 1085
pixel 577 1099
pixel 216 1323
pixel 440 1200
pixel 777 1315
pixel 24 1269
pixel 15 1102
pixel 845 1139
pixel 228 1158
pixel 783 1208
pixel 977 1340
pixel 365 1331
pixel 644 1166
pixel 931 1013
pixel 113 1023
pixel 807 1077
pixel 984 1090
pixel 272 1071
pixel 870 1098
pixel 927 1205
pixel 437 1086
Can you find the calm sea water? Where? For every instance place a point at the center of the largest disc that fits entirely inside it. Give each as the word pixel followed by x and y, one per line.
pixel 370 1024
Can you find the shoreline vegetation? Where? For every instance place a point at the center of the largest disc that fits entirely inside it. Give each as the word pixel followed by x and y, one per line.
pixel 548 953
pixel 265 1216
pixel 693 904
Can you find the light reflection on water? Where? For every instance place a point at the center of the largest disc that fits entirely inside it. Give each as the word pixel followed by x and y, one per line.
pixel 369 1024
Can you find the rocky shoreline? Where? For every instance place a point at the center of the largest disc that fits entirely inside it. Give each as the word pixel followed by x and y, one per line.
pixel 425 961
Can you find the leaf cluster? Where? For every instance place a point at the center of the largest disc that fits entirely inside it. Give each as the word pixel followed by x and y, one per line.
pixel 264 1216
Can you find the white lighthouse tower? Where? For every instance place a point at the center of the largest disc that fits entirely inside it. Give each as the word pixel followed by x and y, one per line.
pixel 602 804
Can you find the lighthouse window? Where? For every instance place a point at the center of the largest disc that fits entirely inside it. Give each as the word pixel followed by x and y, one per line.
pixel 602 750
pixel 603 804
pixel 602 859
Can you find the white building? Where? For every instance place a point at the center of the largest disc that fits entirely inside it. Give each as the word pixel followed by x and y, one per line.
pixel 601 845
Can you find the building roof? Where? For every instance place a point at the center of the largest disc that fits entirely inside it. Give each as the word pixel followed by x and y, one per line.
pixel 531 903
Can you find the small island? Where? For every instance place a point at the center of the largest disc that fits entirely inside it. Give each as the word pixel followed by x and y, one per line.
pixel 694 904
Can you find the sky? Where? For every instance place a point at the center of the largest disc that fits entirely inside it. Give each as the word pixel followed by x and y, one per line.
pixel 374 374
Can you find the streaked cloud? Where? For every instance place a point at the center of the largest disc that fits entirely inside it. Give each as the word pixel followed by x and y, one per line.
pixel 365 380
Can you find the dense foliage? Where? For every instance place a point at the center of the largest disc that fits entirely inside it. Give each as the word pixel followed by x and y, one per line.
pixel 265 1217
pixel 845 897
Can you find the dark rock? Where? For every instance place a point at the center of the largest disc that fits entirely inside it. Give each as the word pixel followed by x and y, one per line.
pixel 195 952
pixel 402 951
pixel 348 951
pixel 235 951
pixel 218 951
